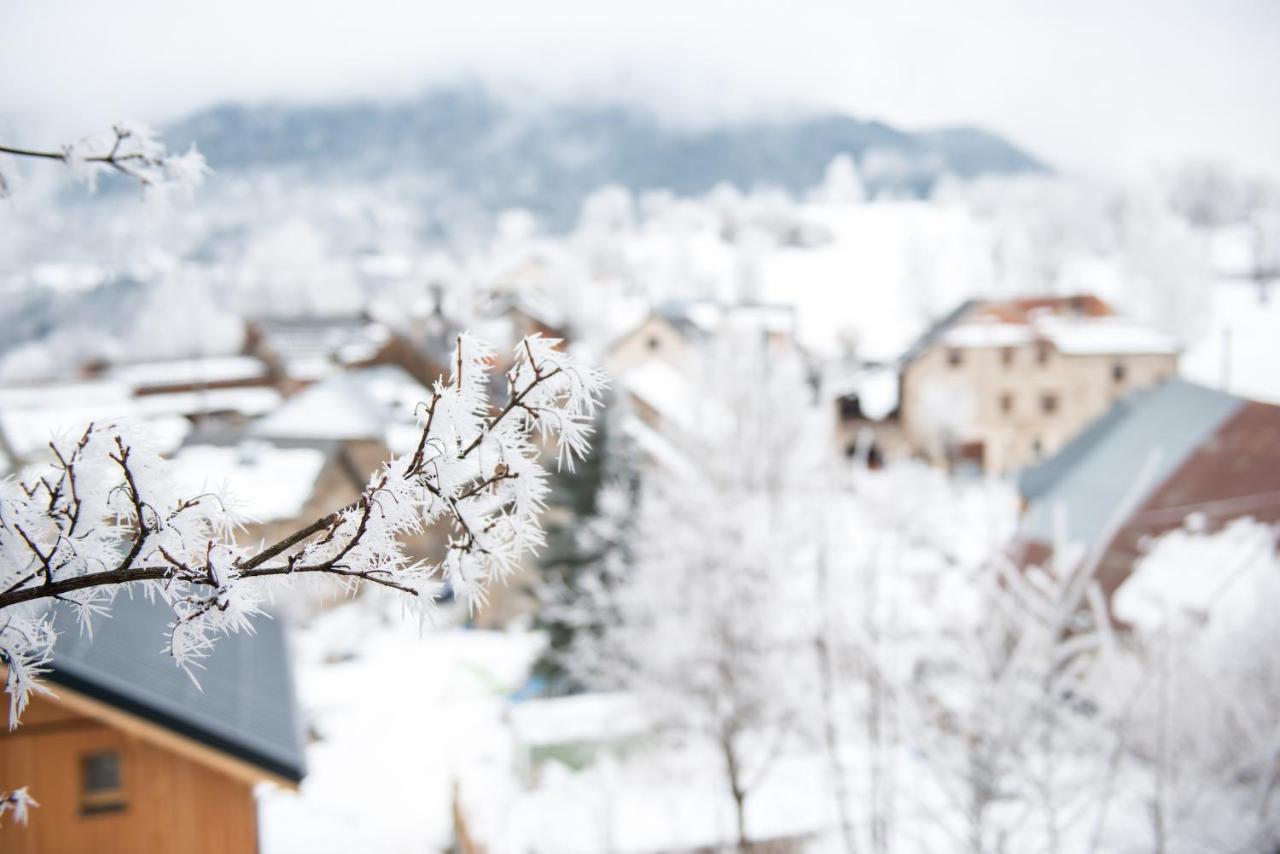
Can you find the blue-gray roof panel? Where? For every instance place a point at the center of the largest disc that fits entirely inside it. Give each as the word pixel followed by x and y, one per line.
pixel 244 704
pixel 1092 475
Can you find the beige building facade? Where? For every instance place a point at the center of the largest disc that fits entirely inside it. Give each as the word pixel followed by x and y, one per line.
pixel 1007 384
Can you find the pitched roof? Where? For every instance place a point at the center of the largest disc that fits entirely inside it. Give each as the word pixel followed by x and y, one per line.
pixel 244 706
pixel 1075 325
pixel 264 482
pixel 1145 435
pixel 1157 458
pixel 313 347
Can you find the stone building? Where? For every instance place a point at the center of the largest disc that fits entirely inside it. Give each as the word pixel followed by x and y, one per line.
pixel 997 386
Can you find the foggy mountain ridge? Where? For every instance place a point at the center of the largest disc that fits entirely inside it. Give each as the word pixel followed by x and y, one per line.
pixel 468 143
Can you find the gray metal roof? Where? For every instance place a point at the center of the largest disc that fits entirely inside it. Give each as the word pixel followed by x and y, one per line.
pixel 244 705
pixel 1093 474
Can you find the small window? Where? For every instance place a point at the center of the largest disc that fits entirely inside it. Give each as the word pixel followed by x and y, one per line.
pixel 1006 403
pixel 955 358
pixel 101 784
pixel 1042 352
pixel 1118 372
pixel 654 342
pixel 1048 403
pixel 1006 356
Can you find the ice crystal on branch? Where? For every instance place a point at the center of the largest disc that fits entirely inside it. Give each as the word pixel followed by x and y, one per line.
pixel 132 150
pixel 106 512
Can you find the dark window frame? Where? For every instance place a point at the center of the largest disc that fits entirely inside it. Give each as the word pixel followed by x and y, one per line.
pixel 102 782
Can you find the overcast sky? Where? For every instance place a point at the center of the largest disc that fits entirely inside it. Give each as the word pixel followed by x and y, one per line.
pixel 1091 86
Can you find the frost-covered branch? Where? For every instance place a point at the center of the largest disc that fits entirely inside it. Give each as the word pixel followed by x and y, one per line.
pixel 19 802
pixel 105 512
pixel 129 149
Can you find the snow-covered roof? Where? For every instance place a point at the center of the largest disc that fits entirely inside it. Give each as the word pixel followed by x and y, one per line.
pixel 360 404
pixel 657 447
pixel 335 408
pixel 875 387
pixel 31 416
pixel 249 401
pixel 64 394
pixel 580 718
pixel 1070 335
pixel 1079 336
pixel 261 482
pixel 175 372
pixel 661 386
pixel 988 334
pixel 314 347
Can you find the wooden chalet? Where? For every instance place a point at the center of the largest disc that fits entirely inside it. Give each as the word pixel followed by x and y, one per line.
pixel 128 755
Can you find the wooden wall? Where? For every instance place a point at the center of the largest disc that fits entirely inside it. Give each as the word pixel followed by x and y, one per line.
pixel 173 804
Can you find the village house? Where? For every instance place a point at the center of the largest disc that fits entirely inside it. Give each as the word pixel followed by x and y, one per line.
pixel 653 365
pixel 127 754
pixel 998 385
pixel 1168 456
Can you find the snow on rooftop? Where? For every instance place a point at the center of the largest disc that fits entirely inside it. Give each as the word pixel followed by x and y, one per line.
pixel 579 718
pixel 1071 335
pixel 1103 336
pixel 31 416
pixel 875 388
pixel 259 481
pixel 988 334
pixel 249 401
pixel 190 371
pixel 362 404
pixel 661 386
pixel 63 394
pixel 658 447
pixel 336 408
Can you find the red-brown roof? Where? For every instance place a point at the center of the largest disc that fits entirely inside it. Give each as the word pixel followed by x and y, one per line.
pixel 1019 310
pixel 1235 472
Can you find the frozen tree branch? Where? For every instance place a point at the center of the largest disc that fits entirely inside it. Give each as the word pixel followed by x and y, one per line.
pixel 19 802
pixel 104 513
pixel 131 150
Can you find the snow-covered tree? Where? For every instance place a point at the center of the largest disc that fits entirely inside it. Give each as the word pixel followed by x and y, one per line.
pixel 1203 744
pixel 702 619
pixel 105 513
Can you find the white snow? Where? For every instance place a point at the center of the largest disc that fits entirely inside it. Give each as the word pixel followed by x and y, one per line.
pixel 399 717
pixel 333 409
pixel 880 278
pixel 260 482
pixel 364 404
pixel 249 401
pixel 31 417
pixel 1240 351
pixel 579 718
pixel 1102 336
pixel 979 334
pixel 661 386
pixel 189 371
